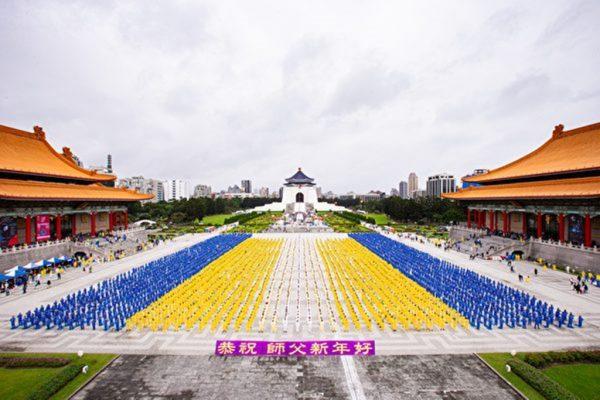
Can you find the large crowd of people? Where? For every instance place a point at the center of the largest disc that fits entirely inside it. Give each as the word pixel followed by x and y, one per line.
pixel 108 304
pixel 483 301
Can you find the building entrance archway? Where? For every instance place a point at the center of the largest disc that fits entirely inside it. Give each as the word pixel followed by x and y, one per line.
pixel 299 197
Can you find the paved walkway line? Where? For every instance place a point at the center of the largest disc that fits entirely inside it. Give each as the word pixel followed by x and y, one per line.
pixel 352 379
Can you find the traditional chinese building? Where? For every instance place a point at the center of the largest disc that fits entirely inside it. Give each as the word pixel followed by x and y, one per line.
pixel 552 193
pixel 45 195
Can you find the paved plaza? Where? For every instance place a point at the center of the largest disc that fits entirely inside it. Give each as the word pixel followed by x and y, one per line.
pixel 357 378
pixel 299 322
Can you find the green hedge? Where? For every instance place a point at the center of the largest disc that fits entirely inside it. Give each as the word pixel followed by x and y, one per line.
pixel 542 360
pixel 33 362
pixel 540 382
pixel 57 382
pixel 241 218
pixel 355 217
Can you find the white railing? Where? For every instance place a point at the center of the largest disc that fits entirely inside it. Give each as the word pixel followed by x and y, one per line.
pixel 567 245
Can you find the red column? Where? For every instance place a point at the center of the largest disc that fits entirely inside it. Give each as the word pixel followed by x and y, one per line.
pixel 492 222
pixel 126 219
pixel 28 229
pixel 561 228
pixel 92 224
pixel 110 221
pixel 482 219
pixel 58 226
pixel 539 225
pixel 73 224
pixel 468 217
pixel 524 222
pixel 505 222
pixel 587 231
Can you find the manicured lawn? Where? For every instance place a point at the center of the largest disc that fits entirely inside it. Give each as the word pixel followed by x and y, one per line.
pixel 498 362
pixel 581 379
pixel 339 224
pixel 380 219
pixel 217 219
pixel 19 383
pixel 258 224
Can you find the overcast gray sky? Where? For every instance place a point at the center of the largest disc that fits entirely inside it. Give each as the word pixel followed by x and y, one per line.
pixel 358 93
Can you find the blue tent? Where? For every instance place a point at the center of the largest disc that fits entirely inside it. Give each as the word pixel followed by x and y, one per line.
pixel 29 266
pixel 16 272
pixel 4 278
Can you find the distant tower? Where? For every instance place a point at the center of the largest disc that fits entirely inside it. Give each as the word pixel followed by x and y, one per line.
pixel 109 164
pixel 413 184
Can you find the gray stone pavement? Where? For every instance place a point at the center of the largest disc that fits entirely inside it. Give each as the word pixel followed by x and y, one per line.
pixel 549 285
pixel 266 378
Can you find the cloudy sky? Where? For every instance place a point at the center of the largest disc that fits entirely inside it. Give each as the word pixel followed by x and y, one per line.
pixel 358 93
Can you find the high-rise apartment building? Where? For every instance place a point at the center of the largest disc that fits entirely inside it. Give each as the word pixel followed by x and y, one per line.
pixel 177 189
pixel 202 191
pixel 403 190
pixel 440 183
pixel 143 185
pixel 246 186
pixel 413 184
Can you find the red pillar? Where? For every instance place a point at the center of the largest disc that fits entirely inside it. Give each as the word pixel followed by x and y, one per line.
pixel 539 225
pixel 505 222
pixel 58 226
pixel 561 228
pixel 482 219
pixel 110 221
pixel 468 217
pixel 492 227
pixel 587 231
pixel 126 219
pixel 73 224
pixel 524 222
pixel 28 229
pixel 92 224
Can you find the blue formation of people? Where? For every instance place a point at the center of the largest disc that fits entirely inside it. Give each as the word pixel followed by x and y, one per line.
pixel 108 304
pixel 481 300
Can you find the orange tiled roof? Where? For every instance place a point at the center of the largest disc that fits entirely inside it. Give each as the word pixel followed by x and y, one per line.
pixel 29 153
pixel 555 188
pixel 11 189
pixel 567 151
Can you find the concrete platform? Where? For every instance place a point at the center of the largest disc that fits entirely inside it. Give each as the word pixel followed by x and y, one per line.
pixel 380 378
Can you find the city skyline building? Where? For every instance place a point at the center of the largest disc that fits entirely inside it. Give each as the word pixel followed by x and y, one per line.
pixel 403 189
pixel 413 184
pixel 202 191
pixel 177 189
pixel 440 184
pixel 246 185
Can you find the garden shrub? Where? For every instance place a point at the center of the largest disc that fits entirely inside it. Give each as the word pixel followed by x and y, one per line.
pixel 241 218
pixel 542 360
pixel 57 382
pixel 33 362
pixel 540 382
pixel 355 217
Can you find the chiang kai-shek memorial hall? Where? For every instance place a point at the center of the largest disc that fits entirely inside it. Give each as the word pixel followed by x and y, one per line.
pixel 45 195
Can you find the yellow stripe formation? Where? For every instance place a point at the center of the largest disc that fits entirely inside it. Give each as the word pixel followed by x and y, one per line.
pixel 228 291
pixel 369 292
pixel 297 284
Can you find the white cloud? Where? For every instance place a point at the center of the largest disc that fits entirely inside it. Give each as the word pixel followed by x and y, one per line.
pixel 357 93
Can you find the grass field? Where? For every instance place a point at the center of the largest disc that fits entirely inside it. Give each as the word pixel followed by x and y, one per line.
pixel 19 383
pixel 217 219
pixel 430 231
pixel 339 224
pixel 258 224
pixel 582 380
pixel 380 219
pixel 498 362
